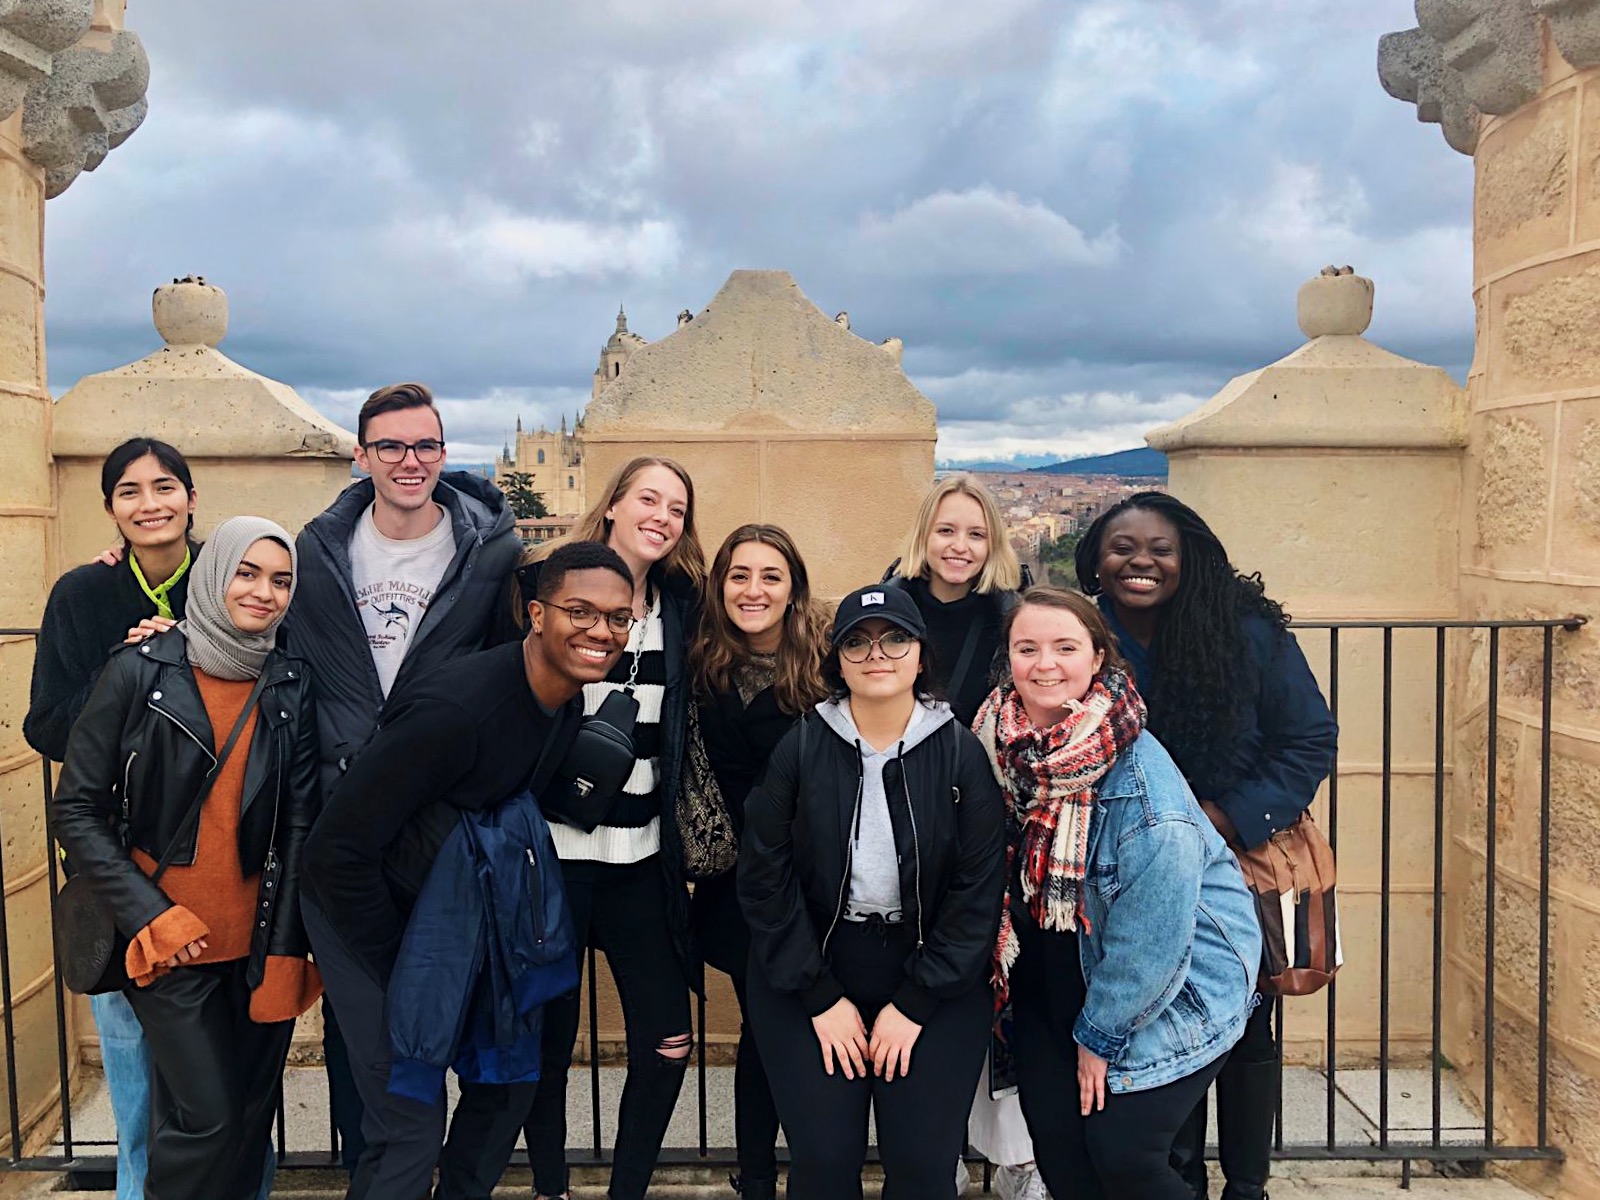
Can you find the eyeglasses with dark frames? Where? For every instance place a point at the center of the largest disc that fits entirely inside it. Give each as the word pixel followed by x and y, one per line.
pixel 583 617
pixel 388 450
pixel 895 643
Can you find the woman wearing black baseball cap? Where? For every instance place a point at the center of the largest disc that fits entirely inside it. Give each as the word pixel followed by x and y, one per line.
pixel 871 873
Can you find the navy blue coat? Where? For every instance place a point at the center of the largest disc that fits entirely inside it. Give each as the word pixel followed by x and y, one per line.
pixel 1270 771
pixel 489 942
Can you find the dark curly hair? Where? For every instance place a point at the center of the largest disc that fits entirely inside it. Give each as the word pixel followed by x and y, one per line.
pixel 1201 699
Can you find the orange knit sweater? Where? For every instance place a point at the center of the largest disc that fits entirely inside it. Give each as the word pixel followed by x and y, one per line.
pixel 214 899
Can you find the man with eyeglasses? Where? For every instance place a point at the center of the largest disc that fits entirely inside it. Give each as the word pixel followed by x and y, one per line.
pixel 404 572
pixel 470 736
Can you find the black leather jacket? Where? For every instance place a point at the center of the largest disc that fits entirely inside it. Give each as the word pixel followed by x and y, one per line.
pixel 142 748
pixel 794 861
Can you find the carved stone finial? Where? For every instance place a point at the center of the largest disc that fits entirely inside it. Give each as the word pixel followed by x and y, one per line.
pixel 1337 303
pixel 622 319
pixel 190 312
pixel 1493 44
pixel 1411 68
pixel 1482 56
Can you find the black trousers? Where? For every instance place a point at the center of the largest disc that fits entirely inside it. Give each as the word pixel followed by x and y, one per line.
pixel 344 1102
pixel 921 1117
pixel 724 940
pixel 215 1083
pixel 621 910
pixel 1122 1152
pixel 403 1136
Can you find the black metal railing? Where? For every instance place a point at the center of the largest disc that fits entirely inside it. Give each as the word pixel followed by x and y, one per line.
pixel 92 1162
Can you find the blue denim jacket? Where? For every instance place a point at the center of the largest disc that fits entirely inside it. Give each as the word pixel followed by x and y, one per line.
pixel 1173 945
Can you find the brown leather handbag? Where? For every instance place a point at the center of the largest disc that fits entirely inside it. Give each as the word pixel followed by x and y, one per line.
pixel 1292 878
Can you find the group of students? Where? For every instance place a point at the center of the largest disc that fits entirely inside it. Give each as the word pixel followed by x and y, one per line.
pixel 966 811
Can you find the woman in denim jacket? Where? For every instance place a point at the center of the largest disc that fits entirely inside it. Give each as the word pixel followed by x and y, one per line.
pixel 1128 944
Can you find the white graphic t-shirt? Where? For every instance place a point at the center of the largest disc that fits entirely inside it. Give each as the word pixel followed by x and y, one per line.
pixel 394 583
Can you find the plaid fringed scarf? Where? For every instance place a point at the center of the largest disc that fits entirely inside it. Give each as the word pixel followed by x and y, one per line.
pixel 1049 777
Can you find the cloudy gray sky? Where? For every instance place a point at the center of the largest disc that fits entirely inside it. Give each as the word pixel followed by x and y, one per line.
pixel 1081 217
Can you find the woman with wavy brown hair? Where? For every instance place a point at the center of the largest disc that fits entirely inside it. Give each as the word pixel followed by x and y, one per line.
pixel 757 667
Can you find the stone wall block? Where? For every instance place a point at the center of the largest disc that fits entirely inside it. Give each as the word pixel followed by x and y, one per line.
pixel 1525 178
pixel 1577 505
pixel 20 317
pixel 23 586
pixel 1542 335
pixel 1586 167
pixel 22 802
pixel 1516 934
pixel 1574 818
pixel 1510 479
pixel 1316 574
pixel 21 192
pixel 26 480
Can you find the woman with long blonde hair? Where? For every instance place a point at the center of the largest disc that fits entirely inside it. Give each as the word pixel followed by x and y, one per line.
pixel 758 667
pixel 960 569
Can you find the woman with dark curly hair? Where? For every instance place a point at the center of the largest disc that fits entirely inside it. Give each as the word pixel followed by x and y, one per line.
pixel 1231 697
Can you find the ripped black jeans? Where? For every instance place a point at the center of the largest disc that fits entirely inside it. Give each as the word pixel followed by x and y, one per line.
pixel 621 910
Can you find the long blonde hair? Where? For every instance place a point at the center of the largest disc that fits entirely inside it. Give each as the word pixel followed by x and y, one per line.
pixel 686 559
pixel 721 645
pixel 1002 572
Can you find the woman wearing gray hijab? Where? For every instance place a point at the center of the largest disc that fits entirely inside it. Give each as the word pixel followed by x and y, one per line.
pixel 189 785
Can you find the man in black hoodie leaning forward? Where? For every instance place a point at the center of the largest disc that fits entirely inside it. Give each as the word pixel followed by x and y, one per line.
pixel 472 734
pixel 401 574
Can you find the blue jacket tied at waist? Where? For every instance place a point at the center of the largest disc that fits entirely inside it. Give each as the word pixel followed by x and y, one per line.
pixel 489 942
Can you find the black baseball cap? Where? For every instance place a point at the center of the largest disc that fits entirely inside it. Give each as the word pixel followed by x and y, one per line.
pixel 893 604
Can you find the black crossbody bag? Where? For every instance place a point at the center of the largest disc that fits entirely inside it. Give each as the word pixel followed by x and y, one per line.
pixel 91 952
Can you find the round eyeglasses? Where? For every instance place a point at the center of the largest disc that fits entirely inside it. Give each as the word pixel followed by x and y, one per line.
pixel 428 450
pixel 584 617
pixel 857 647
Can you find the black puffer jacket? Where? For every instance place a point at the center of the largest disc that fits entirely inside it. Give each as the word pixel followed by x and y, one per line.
pixel 467 613
pixel 144 745
pixel 794 861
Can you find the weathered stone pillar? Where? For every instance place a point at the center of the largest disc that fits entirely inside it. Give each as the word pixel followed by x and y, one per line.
pixel 1518 83
pixel 781 414
pixel 1335 473
pixel 255 446
pixel 72 85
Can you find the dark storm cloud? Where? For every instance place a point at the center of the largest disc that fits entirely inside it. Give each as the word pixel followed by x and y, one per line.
pixel 1080 218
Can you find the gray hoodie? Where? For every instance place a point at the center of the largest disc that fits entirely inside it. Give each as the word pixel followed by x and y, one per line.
pixel 874 862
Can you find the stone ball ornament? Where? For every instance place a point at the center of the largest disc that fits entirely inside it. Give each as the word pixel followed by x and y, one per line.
pixel 1337 303
pixel 190 312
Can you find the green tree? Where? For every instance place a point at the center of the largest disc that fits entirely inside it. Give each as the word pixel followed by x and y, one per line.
pixel 518 488
pixel 1057 558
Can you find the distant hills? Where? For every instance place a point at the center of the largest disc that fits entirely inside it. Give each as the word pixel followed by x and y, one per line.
pixel 1138 463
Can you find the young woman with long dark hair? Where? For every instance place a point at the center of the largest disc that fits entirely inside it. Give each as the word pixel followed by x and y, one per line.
pixel 1232 699
pixel 758 667
pixel 217 953
pixel 149 494
pixel 870 874
pixel 1128 946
